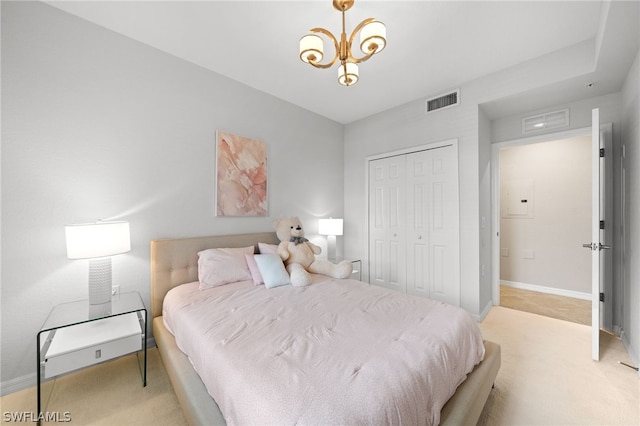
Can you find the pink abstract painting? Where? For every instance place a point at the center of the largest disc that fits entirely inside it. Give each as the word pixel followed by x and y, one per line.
pixel 241 183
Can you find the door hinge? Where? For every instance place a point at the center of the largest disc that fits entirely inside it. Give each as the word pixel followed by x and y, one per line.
pixel 602 297
pixel 601 152
pixel 602 224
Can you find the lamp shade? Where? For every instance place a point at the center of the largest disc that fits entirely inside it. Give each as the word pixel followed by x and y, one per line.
pixel 100 239
pixel 330 226
pixel 373 37
pixel 311 48
pixel 351 76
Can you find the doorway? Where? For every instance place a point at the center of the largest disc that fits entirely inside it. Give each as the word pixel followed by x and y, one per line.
pixel 542 204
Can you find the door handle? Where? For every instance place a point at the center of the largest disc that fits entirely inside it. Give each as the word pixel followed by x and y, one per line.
pixel 594 246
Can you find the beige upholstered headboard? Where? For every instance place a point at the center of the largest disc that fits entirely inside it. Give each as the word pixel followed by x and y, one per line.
pixel 175 261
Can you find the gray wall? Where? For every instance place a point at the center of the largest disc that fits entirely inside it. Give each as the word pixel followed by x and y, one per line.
pixel 630 269
pixel 408 125
pixel 544 247
pixel 97 126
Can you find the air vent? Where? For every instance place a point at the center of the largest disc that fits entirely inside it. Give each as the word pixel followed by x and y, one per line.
pixel 443 101
pixel 548 120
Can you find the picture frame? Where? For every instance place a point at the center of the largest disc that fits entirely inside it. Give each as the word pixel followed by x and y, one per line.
pixel 241 176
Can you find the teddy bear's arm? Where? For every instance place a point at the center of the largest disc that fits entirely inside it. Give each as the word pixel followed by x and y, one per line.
pixel 283 252
pixel 314 248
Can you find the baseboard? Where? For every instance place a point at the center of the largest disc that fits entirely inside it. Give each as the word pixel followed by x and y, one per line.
pixel 632 354
pixel 18 384
pixel 484 313
pixel 29 380
pixel 548 290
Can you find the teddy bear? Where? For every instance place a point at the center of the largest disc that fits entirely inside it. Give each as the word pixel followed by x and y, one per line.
pixel 298 254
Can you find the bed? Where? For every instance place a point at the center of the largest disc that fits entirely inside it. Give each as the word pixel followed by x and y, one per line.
pixel 174 264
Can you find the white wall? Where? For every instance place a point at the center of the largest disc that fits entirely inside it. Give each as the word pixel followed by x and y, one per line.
pixel 544 246
pixel 631 265
pixel 408 125
pixel 485 204
pixel 97 126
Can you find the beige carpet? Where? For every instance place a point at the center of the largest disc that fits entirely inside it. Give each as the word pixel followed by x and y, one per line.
pixel 108 394
pixel 550 305
pixel 547 378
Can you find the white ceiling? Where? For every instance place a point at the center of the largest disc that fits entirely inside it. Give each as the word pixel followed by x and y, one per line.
pixel 432 46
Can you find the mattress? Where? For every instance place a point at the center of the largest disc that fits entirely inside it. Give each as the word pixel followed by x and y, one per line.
pixel 334 352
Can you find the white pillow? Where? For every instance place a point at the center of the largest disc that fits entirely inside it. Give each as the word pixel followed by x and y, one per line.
pixel 222 266
pixel 265 248
pixel 272 270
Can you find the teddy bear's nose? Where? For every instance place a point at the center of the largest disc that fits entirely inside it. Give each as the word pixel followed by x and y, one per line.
pixel 299 227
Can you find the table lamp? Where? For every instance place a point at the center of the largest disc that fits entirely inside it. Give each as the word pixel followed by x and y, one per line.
pixel 330 227
pixel 98 242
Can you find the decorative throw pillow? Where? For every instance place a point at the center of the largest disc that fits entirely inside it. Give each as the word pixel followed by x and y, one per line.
pixel 222 266
pixel 253 268
pixel 272 270
pixel 265 248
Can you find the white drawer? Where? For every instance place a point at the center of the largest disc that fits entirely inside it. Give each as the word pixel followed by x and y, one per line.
pixel 91 343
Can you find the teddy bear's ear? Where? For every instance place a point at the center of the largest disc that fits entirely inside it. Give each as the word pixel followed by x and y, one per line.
pixel 276 222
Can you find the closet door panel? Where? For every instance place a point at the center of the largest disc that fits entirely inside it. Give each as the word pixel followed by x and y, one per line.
pixel 387 218
pixel 418 280
pixel 414 223
pixel 444 245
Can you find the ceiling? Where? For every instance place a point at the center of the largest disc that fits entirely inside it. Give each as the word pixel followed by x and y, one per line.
pixel 432 46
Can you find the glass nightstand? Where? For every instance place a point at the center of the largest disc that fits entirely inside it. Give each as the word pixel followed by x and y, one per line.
pixel 77 335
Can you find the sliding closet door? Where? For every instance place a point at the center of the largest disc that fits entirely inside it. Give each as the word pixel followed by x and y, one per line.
pixel 387 216
pixel 433 248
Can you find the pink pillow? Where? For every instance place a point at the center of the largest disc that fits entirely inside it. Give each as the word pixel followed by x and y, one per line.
pixel 222 266
pixel 253 269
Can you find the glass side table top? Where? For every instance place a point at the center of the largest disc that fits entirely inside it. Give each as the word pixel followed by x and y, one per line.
pixel 72 313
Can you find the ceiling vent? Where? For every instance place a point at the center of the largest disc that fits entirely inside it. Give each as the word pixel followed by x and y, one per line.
pixel 447 100
pixel 548 120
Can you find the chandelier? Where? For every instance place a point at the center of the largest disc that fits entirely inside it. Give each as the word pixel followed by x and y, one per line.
pixel 373 35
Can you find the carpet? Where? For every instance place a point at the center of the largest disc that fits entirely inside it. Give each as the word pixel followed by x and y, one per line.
pixel 547 376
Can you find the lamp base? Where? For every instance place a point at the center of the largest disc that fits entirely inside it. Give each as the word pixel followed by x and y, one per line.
pixel 331 247
pixel 99 281
pixel 100 311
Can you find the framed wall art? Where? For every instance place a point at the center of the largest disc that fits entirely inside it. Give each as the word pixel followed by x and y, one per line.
pixel 241 176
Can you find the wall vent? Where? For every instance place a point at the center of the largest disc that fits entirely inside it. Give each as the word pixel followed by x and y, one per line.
pixel 447 100
pixel 548 120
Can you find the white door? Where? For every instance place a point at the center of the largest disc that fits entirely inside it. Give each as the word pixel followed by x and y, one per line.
pixel 601 225
pixel 418 222
pixel 387 216
pixel 414 236
pixel 432 225
pixel 606 228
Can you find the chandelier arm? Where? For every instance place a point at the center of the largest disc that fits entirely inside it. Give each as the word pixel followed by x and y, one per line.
pixel 335 45
pixel 355 32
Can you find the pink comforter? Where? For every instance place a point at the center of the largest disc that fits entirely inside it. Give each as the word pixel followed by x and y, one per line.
pixel 334 352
